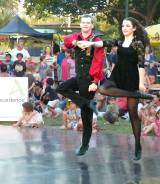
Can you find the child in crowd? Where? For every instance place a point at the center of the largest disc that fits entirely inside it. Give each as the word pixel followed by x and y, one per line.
pixel 19 66
pixel 112 111
pixel 49 92
pixel 53 109
pixel 153 126
pixel 29 118
pixel 72 117
pixel 42 68
pixel 9 64
pixel 147 114
pixel 101 102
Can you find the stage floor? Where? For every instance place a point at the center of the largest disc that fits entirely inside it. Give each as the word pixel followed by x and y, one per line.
pixel 47 156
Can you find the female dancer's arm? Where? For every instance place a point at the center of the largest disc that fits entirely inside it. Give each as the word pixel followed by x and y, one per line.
pixel 140 48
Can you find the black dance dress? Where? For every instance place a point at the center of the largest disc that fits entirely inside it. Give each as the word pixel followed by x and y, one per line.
pixel 125 74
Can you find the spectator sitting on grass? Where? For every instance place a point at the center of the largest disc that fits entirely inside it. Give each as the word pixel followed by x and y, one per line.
pixel 49 93
pixel 153 126
pixel 72 117
pixel 53 109
pixel 122 105
pixel 29 118
pixel 35 91
pixel 148 114
pixel 112 112
pixel 101 104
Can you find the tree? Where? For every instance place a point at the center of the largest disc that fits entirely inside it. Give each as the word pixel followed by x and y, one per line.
pixel 7 10
pixel 147 11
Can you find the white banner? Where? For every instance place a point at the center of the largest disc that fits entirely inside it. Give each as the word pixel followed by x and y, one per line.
pixel 13 92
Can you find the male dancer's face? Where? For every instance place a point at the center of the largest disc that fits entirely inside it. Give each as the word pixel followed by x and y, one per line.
pixel 86 25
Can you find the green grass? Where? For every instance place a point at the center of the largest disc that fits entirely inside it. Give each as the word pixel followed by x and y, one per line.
pixel 124 126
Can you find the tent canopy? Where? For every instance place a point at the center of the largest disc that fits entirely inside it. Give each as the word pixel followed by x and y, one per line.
pixel 154 34
pixel 18 26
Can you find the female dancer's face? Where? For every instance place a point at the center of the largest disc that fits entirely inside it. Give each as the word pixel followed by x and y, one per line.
pixel 127 28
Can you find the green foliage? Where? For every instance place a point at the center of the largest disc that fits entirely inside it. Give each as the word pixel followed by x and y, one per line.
pixel 111 33
pixel 7 10
pixel 62 7
pixel 157 53
pixel 147 11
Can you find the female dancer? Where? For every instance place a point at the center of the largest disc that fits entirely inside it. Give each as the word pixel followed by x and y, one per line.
pixel 128 74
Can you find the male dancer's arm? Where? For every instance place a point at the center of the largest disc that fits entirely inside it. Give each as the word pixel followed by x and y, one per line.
pixel 70 41
pixel 96 69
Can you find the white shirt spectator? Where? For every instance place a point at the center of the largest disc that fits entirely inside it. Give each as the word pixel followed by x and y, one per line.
pixel 15 51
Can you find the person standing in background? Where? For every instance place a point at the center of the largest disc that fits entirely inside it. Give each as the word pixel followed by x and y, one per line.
pixel 19 49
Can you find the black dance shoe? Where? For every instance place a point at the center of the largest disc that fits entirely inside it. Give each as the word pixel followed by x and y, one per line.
pixel 93 105
pixel 139 94
pixel 138 154
pixel 82 150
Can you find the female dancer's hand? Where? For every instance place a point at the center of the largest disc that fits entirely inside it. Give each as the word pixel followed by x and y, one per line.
pixel 92 87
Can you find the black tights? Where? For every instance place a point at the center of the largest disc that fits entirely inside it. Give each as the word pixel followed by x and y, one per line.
pixel 132 104
pixel 115 92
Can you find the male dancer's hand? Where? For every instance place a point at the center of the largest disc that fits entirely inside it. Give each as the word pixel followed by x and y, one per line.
pixel 84 44
pixel 92 87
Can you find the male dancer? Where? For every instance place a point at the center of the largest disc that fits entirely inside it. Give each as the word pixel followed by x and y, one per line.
pixel 89 65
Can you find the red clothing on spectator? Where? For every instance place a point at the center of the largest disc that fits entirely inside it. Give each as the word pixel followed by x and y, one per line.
pixel 98 56
pixel 64 69
pixel 122 103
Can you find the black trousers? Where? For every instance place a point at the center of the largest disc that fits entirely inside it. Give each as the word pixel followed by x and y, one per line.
pixel 68 89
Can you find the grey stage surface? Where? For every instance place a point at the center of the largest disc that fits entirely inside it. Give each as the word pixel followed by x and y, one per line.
pixel 47 156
